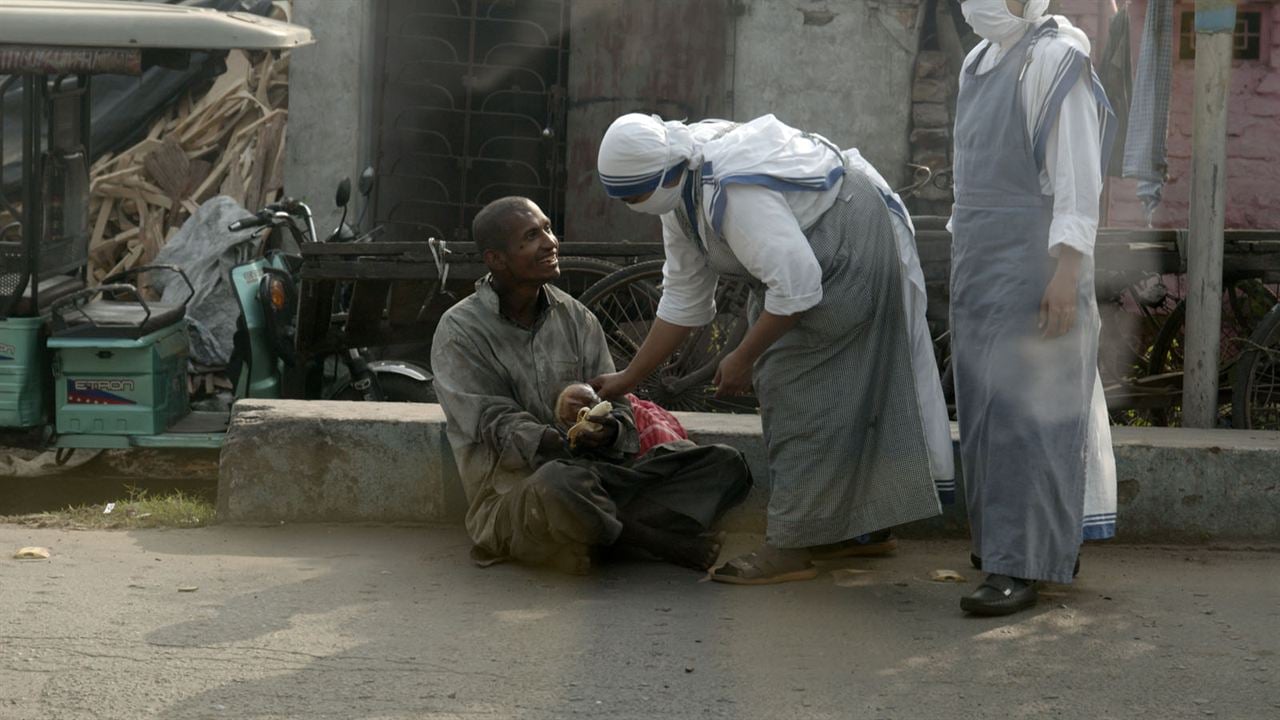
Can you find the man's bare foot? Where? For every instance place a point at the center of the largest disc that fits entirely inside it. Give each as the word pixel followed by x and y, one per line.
pixel 699 552
pixel 571 560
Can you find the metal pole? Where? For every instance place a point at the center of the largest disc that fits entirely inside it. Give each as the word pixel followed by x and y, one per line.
pixel 1215 26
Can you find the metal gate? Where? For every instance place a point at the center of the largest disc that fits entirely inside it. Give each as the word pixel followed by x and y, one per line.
pixel 471 108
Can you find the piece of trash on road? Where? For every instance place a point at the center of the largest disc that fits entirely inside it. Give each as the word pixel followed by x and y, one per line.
pixel 107 510
pixel 32 553
pixel 187 588
pixel 946 576
pixel 852 577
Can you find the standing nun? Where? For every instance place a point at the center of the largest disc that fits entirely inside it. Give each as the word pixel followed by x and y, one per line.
pixel 838 350
pixel 1032 123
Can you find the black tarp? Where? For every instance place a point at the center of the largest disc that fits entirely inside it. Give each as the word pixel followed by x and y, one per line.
pixel 123 107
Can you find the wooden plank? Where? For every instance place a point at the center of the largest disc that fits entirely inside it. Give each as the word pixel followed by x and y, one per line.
pixel 368 300
pixel 100 226
pixel 406 300
pixel 379 270
pixel 264 156
pixel 468 249
pixel 169 167
pixel 315 303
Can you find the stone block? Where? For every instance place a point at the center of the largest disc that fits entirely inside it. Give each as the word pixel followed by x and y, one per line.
pixel 1263 106
pixel 926 90
pixel 932 65
pixel 316 461
pixel 931 140
pixel 930 115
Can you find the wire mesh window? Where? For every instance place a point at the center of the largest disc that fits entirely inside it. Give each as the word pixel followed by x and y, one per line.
pixel 1251 34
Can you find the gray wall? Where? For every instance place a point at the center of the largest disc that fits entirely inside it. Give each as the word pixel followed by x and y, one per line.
pixel 840 68
pixel 330 103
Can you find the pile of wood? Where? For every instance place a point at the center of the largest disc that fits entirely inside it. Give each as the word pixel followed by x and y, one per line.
pixel 228 141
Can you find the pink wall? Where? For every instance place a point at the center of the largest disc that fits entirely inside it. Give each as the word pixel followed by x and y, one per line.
pixel 1253 132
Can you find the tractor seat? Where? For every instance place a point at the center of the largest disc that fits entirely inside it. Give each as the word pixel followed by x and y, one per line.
pixel 118 319
pixel 51 290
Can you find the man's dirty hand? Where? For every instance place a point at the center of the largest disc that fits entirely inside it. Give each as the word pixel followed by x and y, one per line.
pixel 604 437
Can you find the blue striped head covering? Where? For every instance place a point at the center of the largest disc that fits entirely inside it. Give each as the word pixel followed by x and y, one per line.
pixel 640 152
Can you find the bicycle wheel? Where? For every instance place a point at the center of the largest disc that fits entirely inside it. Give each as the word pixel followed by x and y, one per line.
pixel 1133 314
pixel 1255 395
pixel 626 303
pixel 1245 304
pixel 578 273
pixel 1242 312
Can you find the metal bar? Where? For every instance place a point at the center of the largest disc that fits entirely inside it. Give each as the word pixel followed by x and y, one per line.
pixel 469 83
pixel 4 201
pixel 1215 26
pixel 21 59
pixel 33 91
pixel 419 252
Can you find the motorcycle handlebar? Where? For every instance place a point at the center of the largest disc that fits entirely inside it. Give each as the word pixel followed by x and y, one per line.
pixel 252 221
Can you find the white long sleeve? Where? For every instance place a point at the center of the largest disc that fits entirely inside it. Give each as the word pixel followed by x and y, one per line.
pixel 1072 167
pixel 688 282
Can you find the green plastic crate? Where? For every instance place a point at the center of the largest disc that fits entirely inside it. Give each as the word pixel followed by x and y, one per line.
pixel 23 386
pixel 121 387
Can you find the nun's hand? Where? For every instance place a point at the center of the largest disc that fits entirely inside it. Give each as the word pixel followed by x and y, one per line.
pixel 612 386
pixel 733 377
pixel 1058 307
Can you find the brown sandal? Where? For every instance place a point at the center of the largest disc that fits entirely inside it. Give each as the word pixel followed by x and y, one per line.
pixel 878 544
pixel 766 566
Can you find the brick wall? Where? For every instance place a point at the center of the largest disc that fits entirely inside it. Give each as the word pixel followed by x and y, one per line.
pixel 1253 132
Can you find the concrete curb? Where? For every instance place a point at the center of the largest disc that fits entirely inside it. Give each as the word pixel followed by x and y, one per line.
pixel 310 461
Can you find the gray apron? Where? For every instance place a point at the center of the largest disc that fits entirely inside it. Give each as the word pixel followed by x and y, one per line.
pixel 842 427
pixel 1022 401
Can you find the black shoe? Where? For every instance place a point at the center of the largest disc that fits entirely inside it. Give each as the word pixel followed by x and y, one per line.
pixel 1000 595
pixel 976 562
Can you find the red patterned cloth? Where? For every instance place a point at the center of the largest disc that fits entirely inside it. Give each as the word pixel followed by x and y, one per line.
pixel 654 424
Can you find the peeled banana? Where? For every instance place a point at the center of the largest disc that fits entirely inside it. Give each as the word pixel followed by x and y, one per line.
pixel 586 420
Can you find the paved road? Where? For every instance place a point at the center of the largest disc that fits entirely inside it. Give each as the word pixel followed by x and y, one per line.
pixel 376 622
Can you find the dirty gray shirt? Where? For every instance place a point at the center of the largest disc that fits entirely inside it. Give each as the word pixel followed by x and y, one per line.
pixel 498 382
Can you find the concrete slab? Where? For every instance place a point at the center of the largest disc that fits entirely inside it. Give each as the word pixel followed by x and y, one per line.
pixel 342 622
pixel 313 461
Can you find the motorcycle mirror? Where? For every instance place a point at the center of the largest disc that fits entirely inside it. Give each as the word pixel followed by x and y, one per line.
pixel 344 193
pixel 366 181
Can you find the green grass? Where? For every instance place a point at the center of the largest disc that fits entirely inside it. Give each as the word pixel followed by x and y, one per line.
pixel 138 510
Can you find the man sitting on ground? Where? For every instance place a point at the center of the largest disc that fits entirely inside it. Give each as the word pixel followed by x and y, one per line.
pixel 501 357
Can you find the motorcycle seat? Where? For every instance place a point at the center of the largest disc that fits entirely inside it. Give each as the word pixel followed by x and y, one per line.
pixel 116 319
pixel 51 290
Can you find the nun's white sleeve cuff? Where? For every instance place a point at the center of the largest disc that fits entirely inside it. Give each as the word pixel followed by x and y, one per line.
pixel 1072 231
pixel 684 316
pixel 780 304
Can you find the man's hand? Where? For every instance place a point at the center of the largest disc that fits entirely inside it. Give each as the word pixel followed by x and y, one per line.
pixel 612 386
pixel 604 437
pixel 553 443
pixel 733 377
pixel 1058 307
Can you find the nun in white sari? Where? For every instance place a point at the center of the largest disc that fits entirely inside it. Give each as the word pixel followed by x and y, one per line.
pixel 838 350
